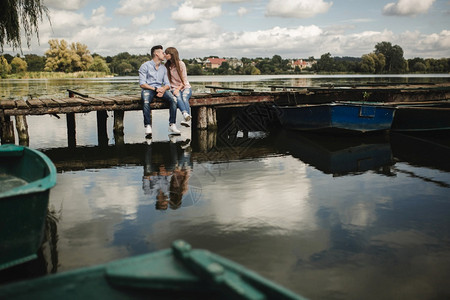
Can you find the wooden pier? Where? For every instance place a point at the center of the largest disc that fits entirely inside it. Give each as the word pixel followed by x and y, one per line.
pixel 204 106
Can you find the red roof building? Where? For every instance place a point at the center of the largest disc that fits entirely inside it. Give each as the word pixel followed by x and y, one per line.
pixel 214 63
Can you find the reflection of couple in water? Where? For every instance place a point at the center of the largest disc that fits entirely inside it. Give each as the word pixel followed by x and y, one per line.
pixel 166 174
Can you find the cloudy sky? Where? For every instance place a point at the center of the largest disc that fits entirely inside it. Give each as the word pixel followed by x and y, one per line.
pixel 249 28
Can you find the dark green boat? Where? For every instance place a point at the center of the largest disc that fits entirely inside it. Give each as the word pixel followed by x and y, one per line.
pixel 176 273
pixel 26 177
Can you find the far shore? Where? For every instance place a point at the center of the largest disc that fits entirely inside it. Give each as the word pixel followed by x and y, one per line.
pixel 58 75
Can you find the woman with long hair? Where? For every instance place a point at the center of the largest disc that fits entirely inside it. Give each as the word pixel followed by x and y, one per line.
pixel 179 83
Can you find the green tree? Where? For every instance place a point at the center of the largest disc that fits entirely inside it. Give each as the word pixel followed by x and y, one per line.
pixel 194 69
pixel 372 63
pixel 99 65
pixel 18 65
pixel 224 68
pixel 251 70
pixel 325 63
pixel 64 58
pixel 8 57
pixel 124 68
pixel 5 68
pixel 81 57
pixel 59 56
pixel 417 64
pixel 35 62
pixel 395 63
pixel 438 65
pixel 13 13
pixel 367 64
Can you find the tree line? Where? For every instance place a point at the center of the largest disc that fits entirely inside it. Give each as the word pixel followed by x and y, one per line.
pixel 64 57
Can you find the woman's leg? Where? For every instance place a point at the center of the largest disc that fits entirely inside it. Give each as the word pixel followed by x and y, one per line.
pixel 180 103
pixel 185 97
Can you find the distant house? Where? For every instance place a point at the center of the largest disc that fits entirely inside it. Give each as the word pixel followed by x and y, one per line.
pixel 214 63
pixel 234 63
pixel 302 64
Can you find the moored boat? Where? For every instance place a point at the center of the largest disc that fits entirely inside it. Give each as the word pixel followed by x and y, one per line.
pixel 422 116
pixel 26 177
pixel 338 155
pixel 337 116
pixel 176 273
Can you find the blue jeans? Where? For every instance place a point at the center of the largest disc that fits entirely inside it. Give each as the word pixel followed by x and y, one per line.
pixel 147 98
pixel 183 100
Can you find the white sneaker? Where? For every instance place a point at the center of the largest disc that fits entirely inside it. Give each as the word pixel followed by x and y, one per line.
pixel 148 129
pixel 186 116
pixel 173 128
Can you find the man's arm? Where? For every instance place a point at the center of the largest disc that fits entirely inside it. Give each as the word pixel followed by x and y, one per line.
pixel 165 84
pixel 147 87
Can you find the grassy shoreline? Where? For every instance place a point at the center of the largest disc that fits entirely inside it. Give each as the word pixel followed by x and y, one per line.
pixel 58 75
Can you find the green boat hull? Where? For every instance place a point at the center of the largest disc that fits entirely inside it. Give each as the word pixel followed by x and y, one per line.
pixel 26 177
pixel 176 273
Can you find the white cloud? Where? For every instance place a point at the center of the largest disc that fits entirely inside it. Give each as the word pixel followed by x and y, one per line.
pixel 144 20
pixel 64 24
pixel 137 7
pixel 297 8
pixel 209 3
pixel 99 16
pixel 188 13
pixel 204 28
pixel 242 11
pixel 422 45
pixel 65 5
pixel 407 7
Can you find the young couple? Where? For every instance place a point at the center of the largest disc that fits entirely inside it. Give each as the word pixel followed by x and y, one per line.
pixel 167 81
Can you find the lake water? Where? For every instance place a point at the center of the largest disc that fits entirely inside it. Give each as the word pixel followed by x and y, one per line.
pixel 328 217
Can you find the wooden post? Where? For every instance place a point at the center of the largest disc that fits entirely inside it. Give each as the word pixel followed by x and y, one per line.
pixel 70 121
pixel 7 130
pixel 212 139
pixel 71 132
pixel 118 127
pixel 202 140
pixel 22 130
pixel 118 121
pixel 212 121
pixel 102 133
pixel 202 120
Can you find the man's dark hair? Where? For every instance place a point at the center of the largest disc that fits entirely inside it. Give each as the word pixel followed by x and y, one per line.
pixel 152 51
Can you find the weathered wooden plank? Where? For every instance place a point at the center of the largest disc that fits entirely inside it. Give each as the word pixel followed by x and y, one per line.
pixel 234 99
pixel 61 102
pixel 105 100
pixel 93 101
pixel 75 101
pixel 7 104
pixel 50 103
pixel 21 104
pixel 35 103
pixel 126 99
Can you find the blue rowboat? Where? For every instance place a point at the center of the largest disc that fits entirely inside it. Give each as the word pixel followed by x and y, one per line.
pixel 176 273
pixel 26 177
pixel 337 116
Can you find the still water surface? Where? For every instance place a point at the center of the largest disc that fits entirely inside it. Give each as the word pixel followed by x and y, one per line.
pixel 328 217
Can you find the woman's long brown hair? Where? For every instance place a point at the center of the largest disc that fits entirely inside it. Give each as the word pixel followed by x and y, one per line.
pixel 173 61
